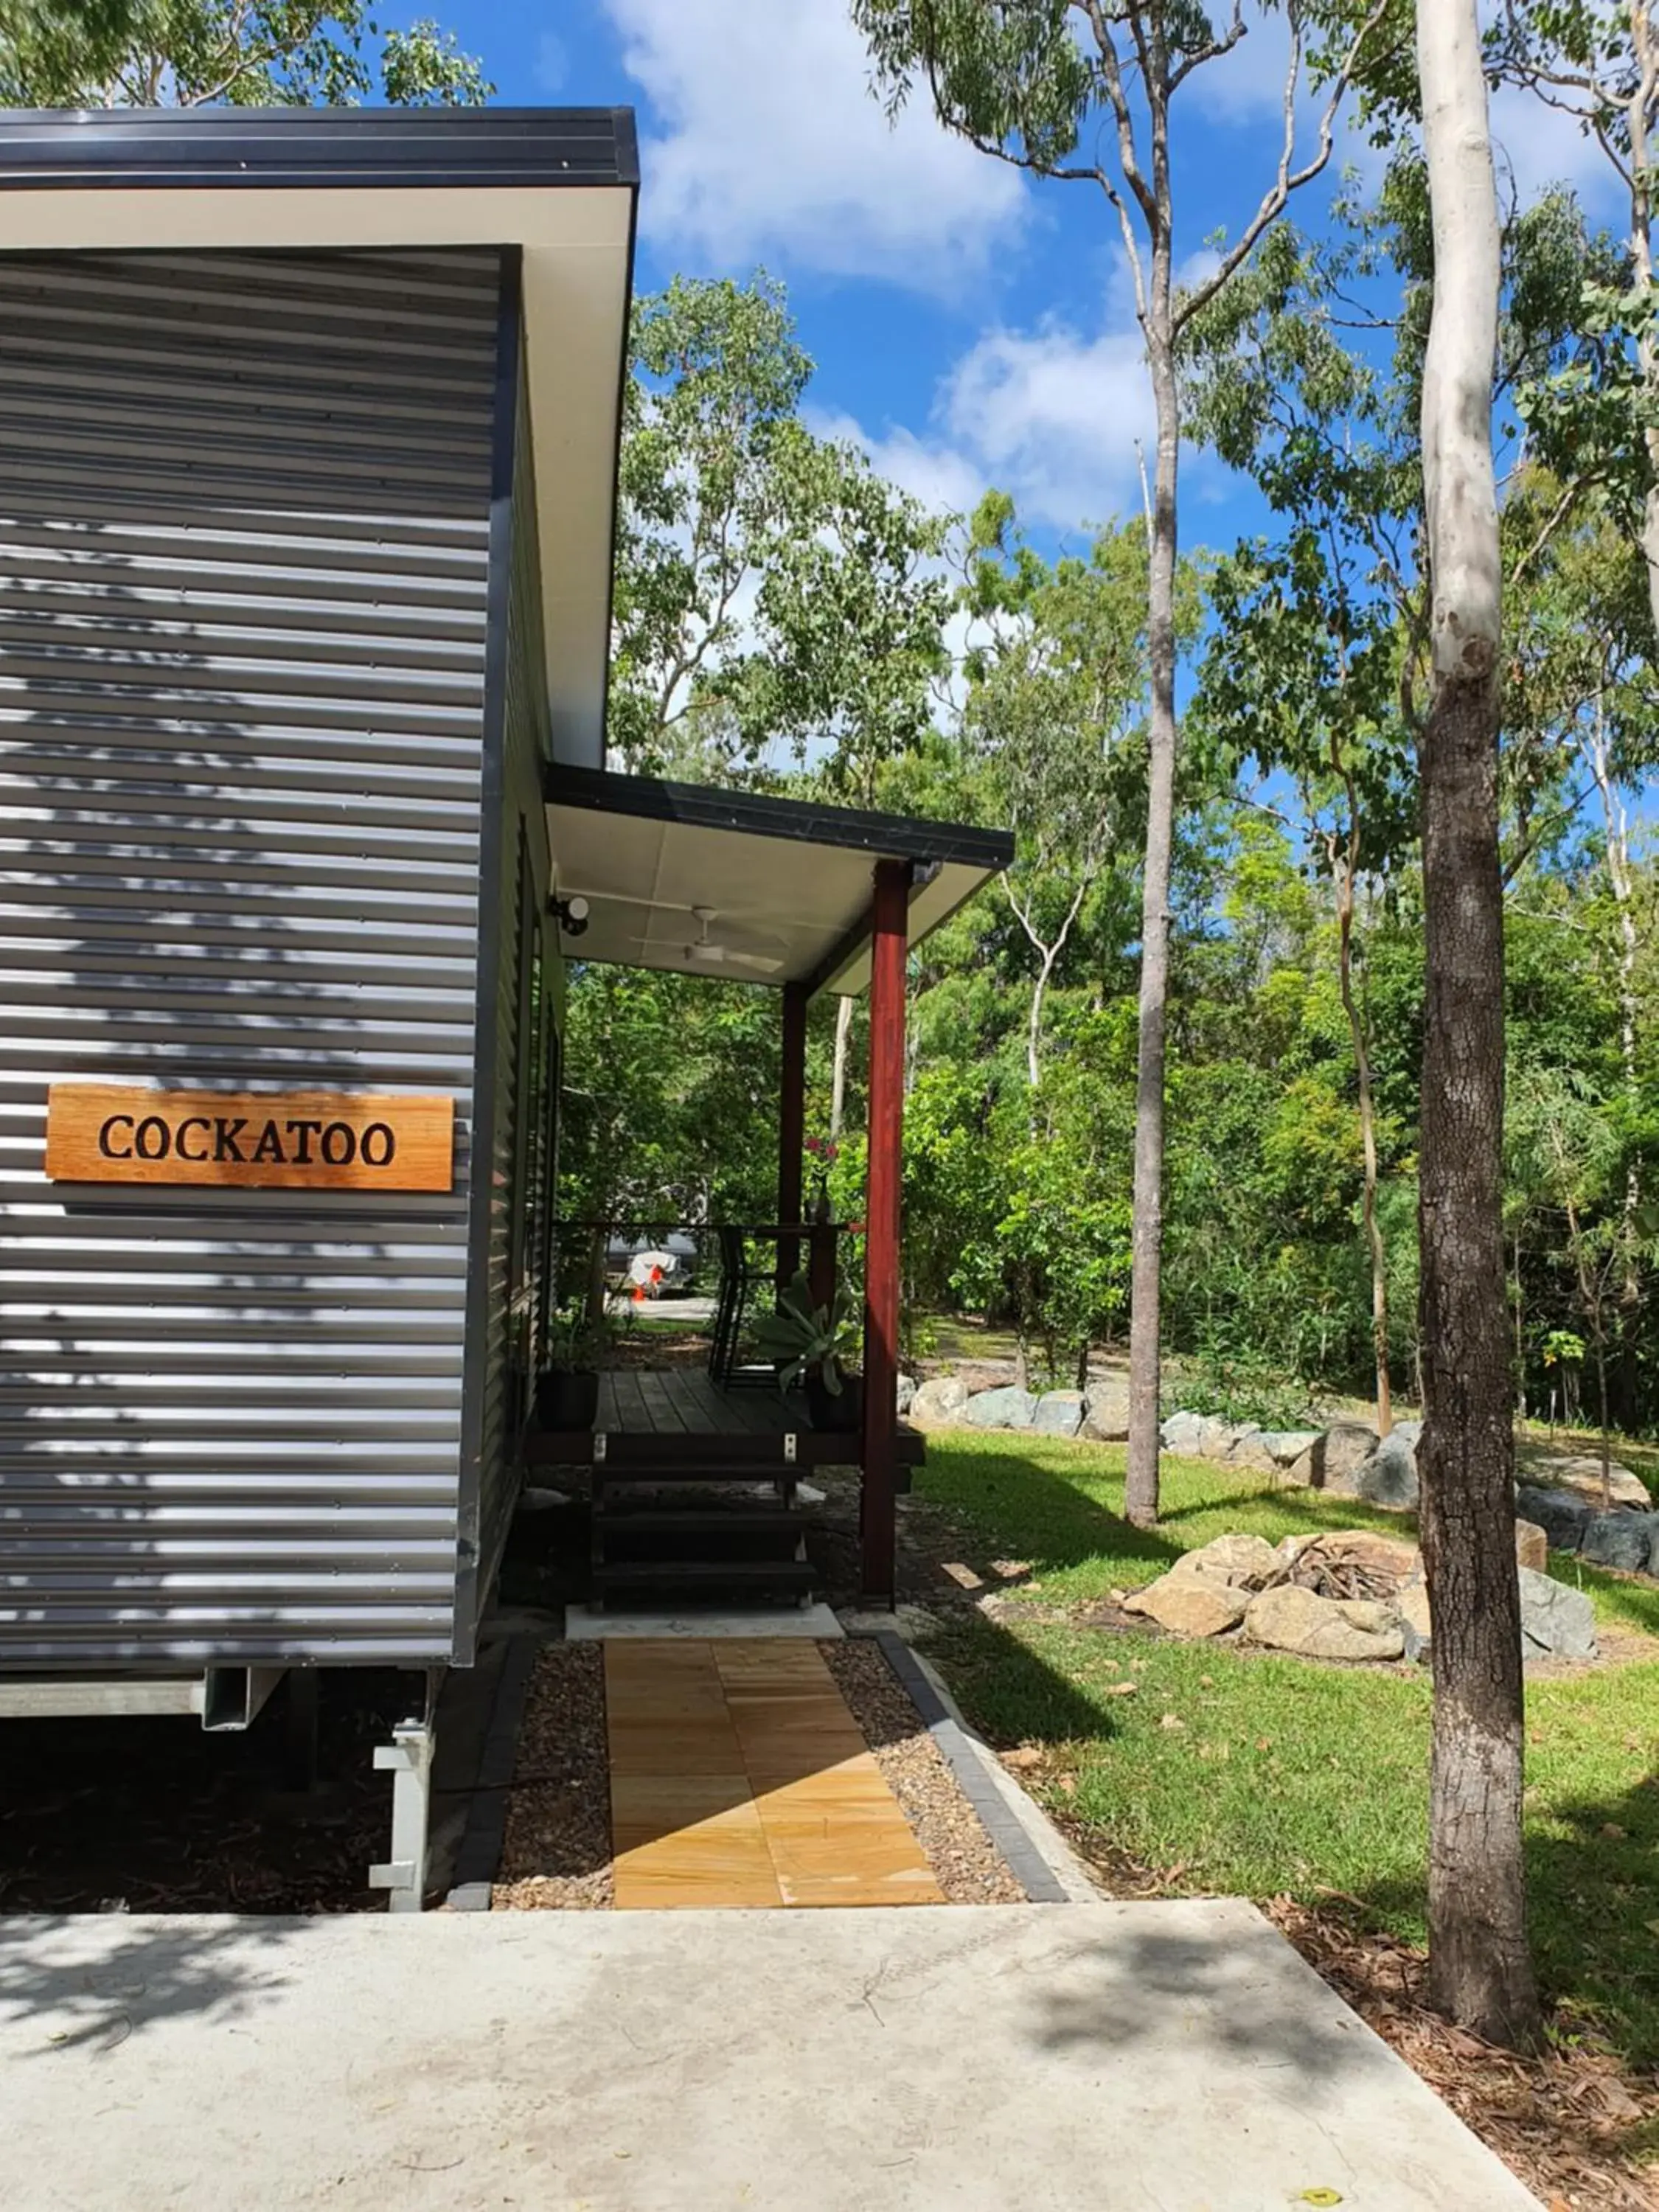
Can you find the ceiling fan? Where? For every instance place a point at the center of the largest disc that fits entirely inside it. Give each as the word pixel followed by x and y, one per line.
pixel 732 949
pixel 708 953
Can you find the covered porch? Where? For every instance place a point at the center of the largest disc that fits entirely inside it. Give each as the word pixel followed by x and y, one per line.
pixel 801 899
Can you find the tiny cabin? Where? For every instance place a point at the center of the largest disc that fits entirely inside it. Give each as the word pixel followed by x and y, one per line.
pixel 308 437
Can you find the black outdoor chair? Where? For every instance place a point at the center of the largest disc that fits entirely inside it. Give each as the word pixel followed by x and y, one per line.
pixel 740 1286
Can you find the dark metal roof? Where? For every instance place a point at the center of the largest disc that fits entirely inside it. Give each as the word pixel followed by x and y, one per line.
pixel 64 148
pixel 703 806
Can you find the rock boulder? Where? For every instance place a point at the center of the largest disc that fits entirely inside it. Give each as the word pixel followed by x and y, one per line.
pixel 1556 1622
pixel 1058 1413
pixel 1388 1477
pixel 1189 1604
pixel 907 1393
pixel 1620 1540
pixel 1006 1408
pixel 1581 1471
pixel 940 1401
pixel 1333 1458
pixel 1106 1412
pixel 1561 1514
pixel 1182 1434
pixel 1413 1604
pixel 1242 1562
pixel 1291 1618
pixel 1532 1546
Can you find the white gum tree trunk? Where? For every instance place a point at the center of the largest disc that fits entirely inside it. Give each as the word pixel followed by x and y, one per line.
pixel 1481 1965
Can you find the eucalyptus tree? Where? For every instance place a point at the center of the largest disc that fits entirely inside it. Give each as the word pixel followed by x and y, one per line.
pixel 1597 420
pixel 1480 1959
pixel 1302 682
pixel 242 53
pixel 1085 92
pixel 1054 712
pixel 1580 678
pixel 772 591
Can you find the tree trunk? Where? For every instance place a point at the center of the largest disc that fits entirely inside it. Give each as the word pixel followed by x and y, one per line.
pixel 1641 247
pixel 838 1072
pixel 1140 1487
pixel 1033 1026
pixel 1481 1965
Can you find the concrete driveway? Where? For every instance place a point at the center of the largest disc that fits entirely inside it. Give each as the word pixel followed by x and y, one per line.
pixel 1164 2057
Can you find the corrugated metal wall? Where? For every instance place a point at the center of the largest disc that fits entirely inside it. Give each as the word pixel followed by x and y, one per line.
pixel 244 523
pixel 507 1256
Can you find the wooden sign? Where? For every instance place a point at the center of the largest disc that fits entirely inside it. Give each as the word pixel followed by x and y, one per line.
pixel 285 1139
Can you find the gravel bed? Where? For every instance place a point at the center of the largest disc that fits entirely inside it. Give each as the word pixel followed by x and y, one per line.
pixel 966 1863
pixel 556 1856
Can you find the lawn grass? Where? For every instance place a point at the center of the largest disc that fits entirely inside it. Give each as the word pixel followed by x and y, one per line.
pixel 1060 1505
pixel 1284 1777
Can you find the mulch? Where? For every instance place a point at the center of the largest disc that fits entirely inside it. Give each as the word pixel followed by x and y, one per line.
pixel 150 1814
pixel 1570 2123
pixel 557 1855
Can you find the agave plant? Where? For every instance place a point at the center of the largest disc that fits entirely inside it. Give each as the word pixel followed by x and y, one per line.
pixel 802 1338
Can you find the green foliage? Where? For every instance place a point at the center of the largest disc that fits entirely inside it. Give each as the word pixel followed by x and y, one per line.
pixel 771 588
pixel 804 1339
pixel 576 1343
pixel 671 1099
pixel 1250 1386
pixel 244 53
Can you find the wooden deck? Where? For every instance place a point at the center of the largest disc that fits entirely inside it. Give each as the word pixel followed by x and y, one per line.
pixel 684 1402
pixel 649 1415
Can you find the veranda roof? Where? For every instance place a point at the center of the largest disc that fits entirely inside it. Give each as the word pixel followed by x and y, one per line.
pixel 701 881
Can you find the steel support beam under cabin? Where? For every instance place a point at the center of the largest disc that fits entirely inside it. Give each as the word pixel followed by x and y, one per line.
pixel 889 918
pixel 791 1125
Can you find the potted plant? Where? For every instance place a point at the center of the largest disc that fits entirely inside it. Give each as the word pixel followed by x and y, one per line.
pixel 809 1344
pixel 568 1388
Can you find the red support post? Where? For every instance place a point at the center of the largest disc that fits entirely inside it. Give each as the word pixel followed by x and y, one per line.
pixel 791 1127
pixel 890 920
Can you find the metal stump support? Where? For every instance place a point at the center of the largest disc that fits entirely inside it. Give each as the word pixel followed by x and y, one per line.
pixel 407 1758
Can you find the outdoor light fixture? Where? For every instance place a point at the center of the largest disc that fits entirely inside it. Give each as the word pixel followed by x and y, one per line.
pixel 572 915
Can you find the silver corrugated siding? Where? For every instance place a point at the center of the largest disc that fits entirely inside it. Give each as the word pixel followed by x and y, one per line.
pixel 244 527
pixel 513 1026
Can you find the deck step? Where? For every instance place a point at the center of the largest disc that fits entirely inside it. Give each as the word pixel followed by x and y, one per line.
pixel 608 1471
pixel 750 1520
pixel 794 1575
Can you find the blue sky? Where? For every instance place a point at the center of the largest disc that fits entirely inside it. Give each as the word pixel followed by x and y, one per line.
pixel 971 326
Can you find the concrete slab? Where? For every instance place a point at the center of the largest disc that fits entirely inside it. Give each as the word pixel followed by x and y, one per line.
pixel 1161 2057
pixel 589 1623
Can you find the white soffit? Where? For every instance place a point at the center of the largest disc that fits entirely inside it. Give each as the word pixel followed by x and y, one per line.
pixel 576 242
pixel 785 904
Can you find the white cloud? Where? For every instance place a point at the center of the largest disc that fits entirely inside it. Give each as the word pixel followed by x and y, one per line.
pixel 1248 83
pixel 942 479
pixel 1049 415
pixel 772 144
pixel 1054 418
pixel 1538 146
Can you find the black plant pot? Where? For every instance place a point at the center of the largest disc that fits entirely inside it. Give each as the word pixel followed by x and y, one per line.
pixel 566 1399
pixel 840 1412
